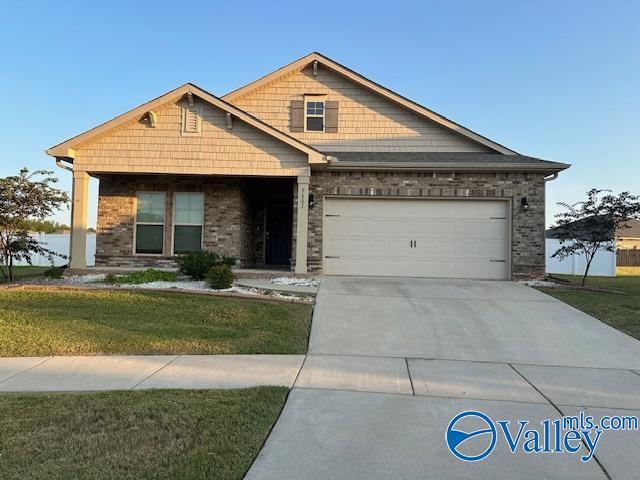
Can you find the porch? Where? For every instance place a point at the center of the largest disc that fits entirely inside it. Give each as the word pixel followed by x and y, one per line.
pixel 146 220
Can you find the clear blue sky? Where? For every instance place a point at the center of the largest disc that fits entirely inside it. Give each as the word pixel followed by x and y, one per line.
pixel 554 79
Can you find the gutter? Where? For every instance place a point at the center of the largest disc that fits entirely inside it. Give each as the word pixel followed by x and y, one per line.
pixel 61 165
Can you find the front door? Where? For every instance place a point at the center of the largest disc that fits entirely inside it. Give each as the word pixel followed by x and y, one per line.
pixel 278 224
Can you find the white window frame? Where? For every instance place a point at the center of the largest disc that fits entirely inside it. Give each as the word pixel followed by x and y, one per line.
pixel 174 224
pixel 136 223
pixel 315 99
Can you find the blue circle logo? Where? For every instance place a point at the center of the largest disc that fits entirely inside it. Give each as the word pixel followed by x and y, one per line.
pixel 471 436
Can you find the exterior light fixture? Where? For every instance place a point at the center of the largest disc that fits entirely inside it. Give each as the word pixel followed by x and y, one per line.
pixel 312 200
pixel 524 203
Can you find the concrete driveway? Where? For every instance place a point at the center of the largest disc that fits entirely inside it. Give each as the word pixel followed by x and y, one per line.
pixel 461 320
pixel 392 361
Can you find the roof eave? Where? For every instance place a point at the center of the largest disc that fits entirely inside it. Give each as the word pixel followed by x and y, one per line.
pixel 551 167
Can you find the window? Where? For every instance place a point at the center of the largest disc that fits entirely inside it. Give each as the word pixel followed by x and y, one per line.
pixel 188 216
pixel 314 116
pixel 150 223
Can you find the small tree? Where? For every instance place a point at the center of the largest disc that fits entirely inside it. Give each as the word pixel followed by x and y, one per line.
pixel 585 227
pixel 23 198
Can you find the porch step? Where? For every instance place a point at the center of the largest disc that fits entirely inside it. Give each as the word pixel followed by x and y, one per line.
pixel 266 274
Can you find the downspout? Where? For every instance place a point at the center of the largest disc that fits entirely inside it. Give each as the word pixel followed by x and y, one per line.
pixel 69 169
pixel 551 177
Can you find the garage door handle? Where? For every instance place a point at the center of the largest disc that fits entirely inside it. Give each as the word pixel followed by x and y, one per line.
pixel 331 215
pixel 499 261
pixel 331 256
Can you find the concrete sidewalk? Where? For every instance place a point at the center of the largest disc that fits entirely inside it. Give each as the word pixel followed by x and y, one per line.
pixel 119 372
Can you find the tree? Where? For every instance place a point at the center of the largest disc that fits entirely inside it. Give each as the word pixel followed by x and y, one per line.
pixel 23 198
pixel 588 226
pixel 44 226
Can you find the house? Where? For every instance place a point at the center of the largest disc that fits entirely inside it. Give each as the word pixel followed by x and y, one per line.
pixel 629 238
pixel 626 238
pixel 312 167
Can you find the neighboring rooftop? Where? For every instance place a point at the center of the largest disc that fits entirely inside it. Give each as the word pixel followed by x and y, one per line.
pixel 632 232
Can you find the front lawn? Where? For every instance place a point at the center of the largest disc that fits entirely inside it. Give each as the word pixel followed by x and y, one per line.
pixel 94 322
pixel 621 311
pixel 25 272
pixel 151 434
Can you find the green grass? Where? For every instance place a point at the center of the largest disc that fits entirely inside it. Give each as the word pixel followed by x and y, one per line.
pixel 26 271
pixel 620 311
pixel 145 276
pixel 94 322
pixel 153 434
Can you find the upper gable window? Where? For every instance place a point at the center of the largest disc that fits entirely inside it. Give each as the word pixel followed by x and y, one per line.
pixel 314 110
pixel 191 120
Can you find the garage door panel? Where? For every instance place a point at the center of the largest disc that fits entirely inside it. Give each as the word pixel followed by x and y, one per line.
pixel 430 238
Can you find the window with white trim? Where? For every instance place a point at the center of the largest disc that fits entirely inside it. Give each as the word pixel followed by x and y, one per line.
pixel 314 114
pixel 188 218
pixel 150 223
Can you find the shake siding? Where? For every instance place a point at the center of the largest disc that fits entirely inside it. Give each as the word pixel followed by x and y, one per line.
pixel 138 148
pixel 366 121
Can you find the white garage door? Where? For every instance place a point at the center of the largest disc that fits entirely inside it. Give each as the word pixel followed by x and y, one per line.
pixel 416 238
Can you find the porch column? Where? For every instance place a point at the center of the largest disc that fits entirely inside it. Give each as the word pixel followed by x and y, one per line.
pixel 79 209
pixel 302 224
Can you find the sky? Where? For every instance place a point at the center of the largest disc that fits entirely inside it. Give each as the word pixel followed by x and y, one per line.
pixel 558 80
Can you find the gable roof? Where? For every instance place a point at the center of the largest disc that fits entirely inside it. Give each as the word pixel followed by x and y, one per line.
pixel 632 232
pixel 373 86
pixel 66 148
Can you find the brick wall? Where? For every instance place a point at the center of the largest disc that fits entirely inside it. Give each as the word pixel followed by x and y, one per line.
pixel 527 228
pixel 227 222
pixel 233 225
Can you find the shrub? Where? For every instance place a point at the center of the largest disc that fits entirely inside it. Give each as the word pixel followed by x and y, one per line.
pixel 53 272
pixel 220 277
pixel 146 276
pixel 197 265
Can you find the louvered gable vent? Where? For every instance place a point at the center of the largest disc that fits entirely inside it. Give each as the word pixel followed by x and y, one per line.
pixel 192 119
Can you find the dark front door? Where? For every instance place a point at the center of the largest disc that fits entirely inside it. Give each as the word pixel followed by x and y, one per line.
pixel 277 249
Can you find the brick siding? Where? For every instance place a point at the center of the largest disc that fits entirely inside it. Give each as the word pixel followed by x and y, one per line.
pixel 527 228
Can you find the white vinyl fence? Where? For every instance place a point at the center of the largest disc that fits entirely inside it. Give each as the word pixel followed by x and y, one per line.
pixel 59 242
pixel 603 265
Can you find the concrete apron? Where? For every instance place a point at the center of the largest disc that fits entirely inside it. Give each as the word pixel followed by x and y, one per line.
pixel 368 404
